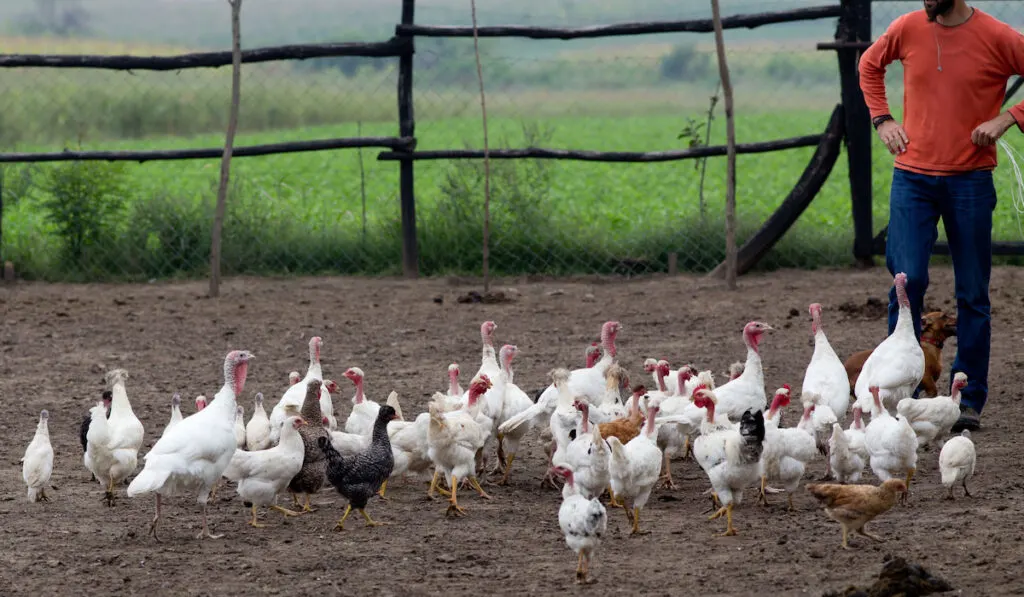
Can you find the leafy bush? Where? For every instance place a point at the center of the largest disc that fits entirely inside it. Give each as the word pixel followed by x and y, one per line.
pixel 82 201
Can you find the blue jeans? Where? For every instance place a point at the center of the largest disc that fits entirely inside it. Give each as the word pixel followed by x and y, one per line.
pixel 965 203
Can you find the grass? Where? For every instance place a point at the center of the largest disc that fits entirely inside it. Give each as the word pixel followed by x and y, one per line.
pixel 304 213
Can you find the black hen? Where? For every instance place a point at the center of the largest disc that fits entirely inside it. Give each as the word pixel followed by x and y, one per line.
pixel 358 478
pixel 752 430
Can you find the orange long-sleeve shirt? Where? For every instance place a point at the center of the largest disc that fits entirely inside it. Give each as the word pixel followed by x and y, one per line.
pixel 954 78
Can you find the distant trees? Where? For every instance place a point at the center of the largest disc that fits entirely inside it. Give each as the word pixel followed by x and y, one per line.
pixel 684 63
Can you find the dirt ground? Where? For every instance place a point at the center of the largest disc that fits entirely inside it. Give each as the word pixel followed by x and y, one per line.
pixel 56 341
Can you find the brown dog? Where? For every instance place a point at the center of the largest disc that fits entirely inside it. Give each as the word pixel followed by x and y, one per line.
pixel 936 328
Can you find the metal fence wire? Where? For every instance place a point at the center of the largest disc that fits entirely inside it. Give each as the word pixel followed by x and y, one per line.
pixel 338 211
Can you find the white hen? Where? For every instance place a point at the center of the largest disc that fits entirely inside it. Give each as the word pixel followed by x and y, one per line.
pixel 37 463
pixel 583 520
pixel 634 468
pixel 896 366
pixel 731 458
pixel 296 391
pixel 932 418
pixel 257 431
pixel 240 427
pixel 453 439
pixel 956 462
pixel 891 443
pixel 194 455
pixel 262 474
pixel 113 454
pixel 587 454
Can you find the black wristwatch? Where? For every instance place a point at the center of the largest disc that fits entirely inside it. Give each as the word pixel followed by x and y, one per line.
pixel 877 120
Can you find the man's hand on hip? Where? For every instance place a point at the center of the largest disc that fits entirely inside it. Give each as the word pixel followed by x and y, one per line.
pixel 987 133
pixel 895 138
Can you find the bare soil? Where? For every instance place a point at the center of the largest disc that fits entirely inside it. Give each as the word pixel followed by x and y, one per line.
pixel 56 341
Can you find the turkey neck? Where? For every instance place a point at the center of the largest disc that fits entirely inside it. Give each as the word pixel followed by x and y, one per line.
pixel 752 368
pixel 903 320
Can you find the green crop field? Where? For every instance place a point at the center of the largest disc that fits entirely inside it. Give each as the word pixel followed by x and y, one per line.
pixel 338 211
pixel 304 212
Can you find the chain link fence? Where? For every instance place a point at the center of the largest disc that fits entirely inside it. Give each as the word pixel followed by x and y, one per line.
pixel 338 211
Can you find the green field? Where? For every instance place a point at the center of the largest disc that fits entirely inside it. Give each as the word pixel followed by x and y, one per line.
pixel 318 212
pixel 304 212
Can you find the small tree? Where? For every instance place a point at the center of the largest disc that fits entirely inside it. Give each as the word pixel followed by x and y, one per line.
pixel 82 201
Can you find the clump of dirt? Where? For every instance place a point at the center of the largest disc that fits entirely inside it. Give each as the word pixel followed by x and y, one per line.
pixel 872 308
pixel 899 578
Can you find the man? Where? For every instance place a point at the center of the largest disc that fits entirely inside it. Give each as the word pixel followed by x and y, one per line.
pixel 956 63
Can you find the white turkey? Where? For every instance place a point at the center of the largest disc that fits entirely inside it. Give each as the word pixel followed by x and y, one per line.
pixel 746 392
pixel 896 365
pixel 37 463
pixel 194 455
pixel 296 392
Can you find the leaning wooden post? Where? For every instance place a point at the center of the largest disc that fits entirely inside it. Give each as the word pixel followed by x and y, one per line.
pixel 855 26
pixel 407 128
pixel 229 142
pixel 731 253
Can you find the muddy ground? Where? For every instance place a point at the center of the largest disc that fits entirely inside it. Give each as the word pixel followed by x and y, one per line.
pixel 57 340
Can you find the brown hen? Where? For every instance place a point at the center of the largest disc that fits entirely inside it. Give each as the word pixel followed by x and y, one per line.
pixel 853 506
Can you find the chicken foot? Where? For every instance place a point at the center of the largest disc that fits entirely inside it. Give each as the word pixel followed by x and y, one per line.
pixel 476 485
pixel 612 500
pixel 383 488
pixel 253 522
pixel 435 488
pixel 508 469
pixel 581 571
pixel 636 522
pixel 453 508
pixel 369 521
pixel 205 533
pixel 729 529
pixel 285 511
pixel 44 498
pixel 308 506
pixel 666 477
pixel 715 502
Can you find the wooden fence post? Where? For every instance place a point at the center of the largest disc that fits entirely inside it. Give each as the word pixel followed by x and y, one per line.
pixel 407 128
pixel 855 25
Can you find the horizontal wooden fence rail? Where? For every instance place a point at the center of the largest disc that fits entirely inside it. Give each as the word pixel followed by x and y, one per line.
pixel 398 143
pixel 393 47
pixel 744 21
pixel 603 156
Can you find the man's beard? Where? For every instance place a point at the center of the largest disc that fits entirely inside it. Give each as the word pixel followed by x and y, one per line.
pixel 939 8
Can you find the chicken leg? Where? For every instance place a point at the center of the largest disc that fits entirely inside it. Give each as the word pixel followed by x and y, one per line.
pixel 500 465
pixel 44 498
pixel 762 498
pixel 454 508
pixel 906 494
pixel 434 488
pixel 253 523
pixel 308 506
pixel 729 530
pixel 666 478
pixel 636 523
pixel 383 488
pixel 863 531
pixel 371 522
pixel 508 469
pixel 476 485
pixel 966 491
pixel 341 523
pixel 581 573
pixel 285 511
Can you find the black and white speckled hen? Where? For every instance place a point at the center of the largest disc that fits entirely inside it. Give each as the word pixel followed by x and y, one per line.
pixel 358 478
pixel 314 464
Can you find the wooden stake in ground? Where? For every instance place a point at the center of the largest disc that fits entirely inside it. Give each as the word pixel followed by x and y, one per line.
pixel 730 153
pixel 487 156
pixel 229 143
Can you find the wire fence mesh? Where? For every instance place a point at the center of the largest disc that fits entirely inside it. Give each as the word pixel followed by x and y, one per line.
pixel 338 211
